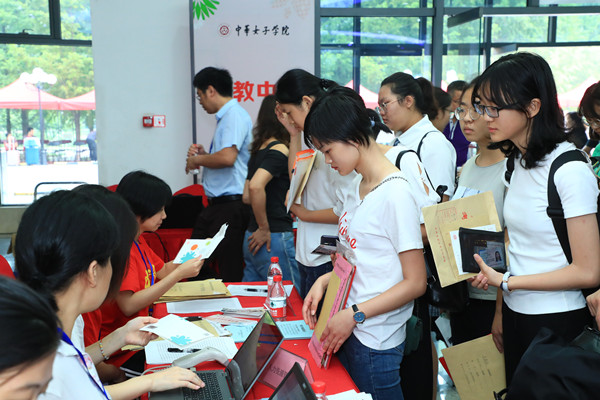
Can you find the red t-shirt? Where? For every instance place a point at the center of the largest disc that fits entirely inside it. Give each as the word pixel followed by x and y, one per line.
pixel 143 265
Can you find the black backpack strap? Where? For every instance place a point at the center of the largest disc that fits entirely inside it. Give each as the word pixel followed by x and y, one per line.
pixel 399 158
pixel 555 210
pixel 421 143
pixel 510 168
pixel 441 188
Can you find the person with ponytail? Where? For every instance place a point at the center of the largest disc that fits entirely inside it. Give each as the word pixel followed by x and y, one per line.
pixel 296 91
pixel 28 339
pixel 64 249
pixel 379 222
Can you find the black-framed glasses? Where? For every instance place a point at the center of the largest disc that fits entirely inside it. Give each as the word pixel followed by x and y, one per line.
pixel 492 111
pixel 384 106
pixel 592 122
pixel 461 113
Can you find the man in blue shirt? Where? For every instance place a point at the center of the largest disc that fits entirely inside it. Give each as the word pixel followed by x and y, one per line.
pixel 225 170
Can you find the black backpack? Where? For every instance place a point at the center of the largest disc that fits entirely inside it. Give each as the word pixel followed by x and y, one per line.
pixel 455 297
pixel 555 210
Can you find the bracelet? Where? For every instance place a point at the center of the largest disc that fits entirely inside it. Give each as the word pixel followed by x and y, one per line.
pixel 102 350
pixel 504 284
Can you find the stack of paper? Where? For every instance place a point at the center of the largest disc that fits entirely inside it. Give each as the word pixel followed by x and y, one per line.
pixel 335 300
pixel 207 289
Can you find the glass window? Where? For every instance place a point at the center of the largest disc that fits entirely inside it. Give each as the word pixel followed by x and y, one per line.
pixel 57 150
pixel 31 16
pixel 337 30
pixel 522 29
pixel 336 65
pixel 469 32
pixel 376 3
pixel 404 30
pixel 577 28
pixel 510 3
pixel 75 19
pixel 376 69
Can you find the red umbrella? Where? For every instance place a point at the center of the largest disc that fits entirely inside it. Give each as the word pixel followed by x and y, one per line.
pixel 572 98
pixel 24 96
pixel 86 101
pixel 370 98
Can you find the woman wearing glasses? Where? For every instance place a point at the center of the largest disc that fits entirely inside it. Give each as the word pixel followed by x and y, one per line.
pixel 480 173
pixel 589 109
pixel 516 96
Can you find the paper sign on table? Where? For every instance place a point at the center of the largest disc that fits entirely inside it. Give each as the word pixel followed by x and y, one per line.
pixel 177 330
pixel 477 368
pixel 193 248
pixel 202 306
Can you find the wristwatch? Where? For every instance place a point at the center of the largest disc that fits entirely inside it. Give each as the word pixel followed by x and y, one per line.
pixel 359 316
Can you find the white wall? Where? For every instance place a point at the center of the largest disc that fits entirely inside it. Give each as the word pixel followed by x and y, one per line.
pixel 141 52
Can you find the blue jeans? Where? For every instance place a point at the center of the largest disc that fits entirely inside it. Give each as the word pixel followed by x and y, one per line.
pixel 373 371
pixel 308 275
pixel 257 265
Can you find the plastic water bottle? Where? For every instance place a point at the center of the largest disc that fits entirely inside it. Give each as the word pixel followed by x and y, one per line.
pixel 277 299
pixel 319 388
pixel 274 269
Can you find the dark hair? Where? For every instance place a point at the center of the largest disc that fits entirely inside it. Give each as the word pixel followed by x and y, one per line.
pixel 296 83
pixel 340 116
pixel 513 81
pixel 220 79
pixel 420 89
pixel 267 125
pixel 145 193
pixel 29 325
pixel 442 98
pixel 576 133
pixel 457 85
pixel 59 236
pixel 126 224
pixel 590 98
pixel 377 124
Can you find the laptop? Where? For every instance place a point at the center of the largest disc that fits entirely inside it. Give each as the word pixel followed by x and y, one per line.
pixel 241 373
pixel 294 386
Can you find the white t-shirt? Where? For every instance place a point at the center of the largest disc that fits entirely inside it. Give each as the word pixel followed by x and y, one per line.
pixel 413 169
pixel 383 224
pixel 319 194
pixel 534 247
pixel 437 153
pixel 69 379
pixel 473 180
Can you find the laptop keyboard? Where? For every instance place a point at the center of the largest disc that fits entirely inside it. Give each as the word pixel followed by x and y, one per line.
pixel 209 391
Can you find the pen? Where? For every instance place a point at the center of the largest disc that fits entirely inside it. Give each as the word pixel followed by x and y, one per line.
pixel 194 318
pixel 176 350
pixel 256 290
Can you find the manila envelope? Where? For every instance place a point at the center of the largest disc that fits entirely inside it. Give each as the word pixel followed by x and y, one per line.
pixel 477 368
pixel 443 218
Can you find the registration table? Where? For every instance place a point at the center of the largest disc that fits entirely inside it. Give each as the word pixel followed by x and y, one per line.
pixel 336 377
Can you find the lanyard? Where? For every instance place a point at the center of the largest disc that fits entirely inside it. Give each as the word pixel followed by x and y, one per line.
pixel 146 264
pixel 68 341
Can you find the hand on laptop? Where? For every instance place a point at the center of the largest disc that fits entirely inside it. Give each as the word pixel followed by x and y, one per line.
pixel 172 378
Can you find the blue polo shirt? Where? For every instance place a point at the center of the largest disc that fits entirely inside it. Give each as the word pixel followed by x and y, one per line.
pixel 234 128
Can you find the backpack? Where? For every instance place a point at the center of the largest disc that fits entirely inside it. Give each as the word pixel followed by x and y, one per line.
pixel 455 297
pixel 555 210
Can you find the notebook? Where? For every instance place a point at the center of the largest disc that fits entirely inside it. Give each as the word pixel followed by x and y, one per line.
pixel 243 370
pixel 294 386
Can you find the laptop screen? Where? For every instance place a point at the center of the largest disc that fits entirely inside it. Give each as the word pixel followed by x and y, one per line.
pixel 294 386
pixel 258 349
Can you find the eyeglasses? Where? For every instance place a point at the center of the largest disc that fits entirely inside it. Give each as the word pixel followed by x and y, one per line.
pixel 461 113
pixel 384 106
pixel 592 122
pixel 492 111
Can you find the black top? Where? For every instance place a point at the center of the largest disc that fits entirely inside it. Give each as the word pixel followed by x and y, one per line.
pixel 276 163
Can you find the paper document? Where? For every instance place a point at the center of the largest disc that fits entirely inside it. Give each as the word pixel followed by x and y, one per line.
pixel 254 290
pixel 301 172
pixel 477 368
pixel 228 320
pixel 177 330
pixel 290 330
pixel 239 333
pixel 202 306
pixel 209 288
pixel 157 352
pixel 193 248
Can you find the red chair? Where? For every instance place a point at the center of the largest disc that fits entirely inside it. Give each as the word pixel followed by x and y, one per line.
pixel 194 190
pixel 5 268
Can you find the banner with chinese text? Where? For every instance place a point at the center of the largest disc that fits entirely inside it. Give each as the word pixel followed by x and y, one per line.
pixel 257 41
